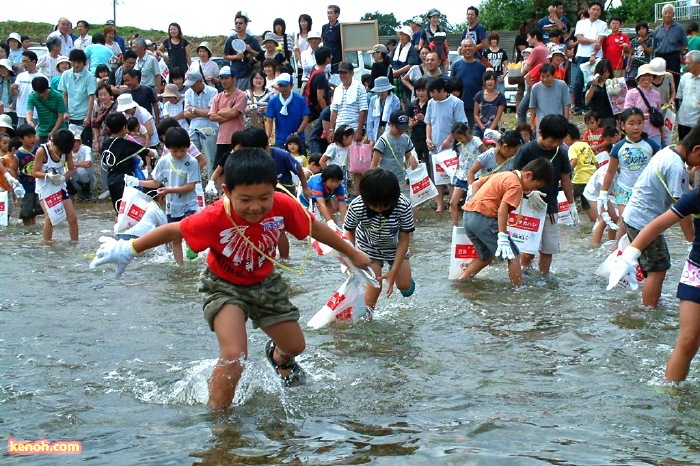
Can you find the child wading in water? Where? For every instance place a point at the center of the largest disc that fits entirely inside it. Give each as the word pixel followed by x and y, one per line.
pixel 241 232
pixel 468 148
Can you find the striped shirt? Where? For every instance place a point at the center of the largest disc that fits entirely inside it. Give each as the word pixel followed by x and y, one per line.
pixel 377 234
pixel 349 114
pixel 202 100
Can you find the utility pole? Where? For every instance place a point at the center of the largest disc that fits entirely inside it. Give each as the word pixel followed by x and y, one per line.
pixel 114 11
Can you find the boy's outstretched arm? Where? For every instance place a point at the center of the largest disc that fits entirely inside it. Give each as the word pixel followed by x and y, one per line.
pixel 324 234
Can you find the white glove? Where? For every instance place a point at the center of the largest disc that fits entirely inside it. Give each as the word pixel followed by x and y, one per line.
pixel 332 225
pixel 16 186
pixel 625 266
pixel 211 188
pixel 574 214
pixel 608 221
pixel 504 250
pixel 19 191
pixel 114 252
pixel 602 202
pixel 537 200
pixel 55 178
pixel 131 181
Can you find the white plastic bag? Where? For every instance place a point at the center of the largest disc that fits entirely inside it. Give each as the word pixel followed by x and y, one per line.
pixel 152 219
pixel 4 207
pixel 445 166
pixel 422 188
pixel 199 191
pixel 346 305
pixel 53 199
pixel 462 252
pixel 603 269
pixel 527 232
pixel 670 119
pixel 564 214
pixel 132 208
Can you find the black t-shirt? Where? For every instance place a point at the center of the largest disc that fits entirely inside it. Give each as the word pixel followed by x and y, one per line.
pixel 379 69
pixel 418 133
pixel 176 54
pixel 496 59
pixel 145 97
pixel 600 102
pixel 559 158
pixel 319 81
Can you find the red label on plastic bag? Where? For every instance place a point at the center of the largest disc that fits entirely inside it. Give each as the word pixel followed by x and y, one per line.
pixel 121 207
pixel 345 315
pixel 2 207
pixel 200 201
pixel 335 301
pixel 135 212
pixel 465 251
pixel 54 199
pixel 451 162
pixel 421 185
pixel 563 207
pixel 438 168
pixel 525 223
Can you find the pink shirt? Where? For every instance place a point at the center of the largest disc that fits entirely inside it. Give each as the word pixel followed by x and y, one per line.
pixel 538 56
pixel 633 99
pixel 236 99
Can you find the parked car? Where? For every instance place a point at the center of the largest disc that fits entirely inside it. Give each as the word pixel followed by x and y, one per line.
pixel 39 50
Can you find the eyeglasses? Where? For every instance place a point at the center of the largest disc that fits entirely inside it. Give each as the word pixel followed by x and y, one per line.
pixel 238 23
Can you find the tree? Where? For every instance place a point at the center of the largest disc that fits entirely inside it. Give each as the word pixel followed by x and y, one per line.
pixel 387 23
pixel 632 11
pixel 506 15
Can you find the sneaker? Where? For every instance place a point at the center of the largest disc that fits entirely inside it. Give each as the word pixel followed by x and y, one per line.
pixel 190 254
pixel 296 377
pixel 103 196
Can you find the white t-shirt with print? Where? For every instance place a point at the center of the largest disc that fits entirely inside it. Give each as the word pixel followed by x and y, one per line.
pixel 172 172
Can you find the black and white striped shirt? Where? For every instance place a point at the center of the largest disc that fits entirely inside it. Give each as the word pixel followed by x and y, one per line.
pixel 377 234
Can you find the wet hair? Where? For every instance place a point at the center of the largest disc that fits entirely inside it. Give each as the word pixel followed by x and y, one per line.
pixel 53 42
pixel 176 73
pixel 488 75
pixel 332 172
pixel 641 25
pixel 591 116
pixel 315 159
pixel 436 84
pixel 536 32
pixel 342 131
pixel 115 122
pixel 64 140
pixel 100 69
pixel 547 68
pixel 14 143
pixel 257 72
pixel 132 123
pixel 29 54
pixel 542 170
pixel 420 83
pixel 177 138
pixel 511 138
pixel 380 188
pixel 553 126
pixel 134 73
pixel 249 166
pixel 77 55
pixel 573 132
pixel 24 131
pixel 293 139
pixel 602 66
pixel 692 139
pixel 98 38
pixel 306 17
pixel 164 125
pixel 455 83
pixel 629 112
pixel 322 54
pixel 610 131
pixel 179 30
pixel 40 84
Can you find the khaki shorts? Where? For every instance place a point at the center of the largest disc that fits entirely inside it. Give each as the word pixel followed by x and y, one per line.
pixel 265 303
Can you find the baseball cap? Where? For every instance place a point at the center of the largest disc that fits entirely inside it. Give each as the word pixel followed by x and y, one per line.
pixel 314 35
pixel 556 49
pixel 224 71
pixel 380 48
pixel 399 119
pixel 433 12
pixel 406 30
pixel 193 78
pixel 417 20
pixel 346 66
pixel 284 79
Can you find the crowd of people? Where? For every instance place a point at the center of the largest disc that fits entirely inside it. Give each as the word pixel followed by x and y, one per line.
pixel 287 112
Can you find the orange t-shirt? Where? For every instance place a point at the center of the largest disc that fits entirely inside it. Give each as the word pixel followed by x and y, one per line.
pixel 501 187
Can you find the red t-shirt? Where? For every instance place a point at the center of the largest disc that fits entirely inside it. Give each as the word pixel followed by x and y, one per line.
pixel 559 73
pixel 612 49
pixel 230 256
pixel 593 138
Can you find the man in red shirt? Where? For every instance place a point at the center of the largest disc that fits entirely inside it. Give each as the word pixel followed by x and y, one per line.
pixel 538 56
pixel 616 46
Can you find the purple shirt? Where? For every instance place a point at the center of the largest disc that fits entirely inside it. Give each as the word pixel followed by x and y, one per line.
pixel 633 99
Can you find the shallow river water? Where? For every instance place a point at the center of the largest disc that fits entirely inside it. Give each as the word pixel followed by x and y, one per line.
pixel 554 372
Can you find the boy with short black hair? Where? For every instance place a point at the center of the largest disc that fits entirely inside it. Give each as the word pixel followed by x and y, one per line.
pixel 241 232
pixel 30 207
pixel 328 194
pixel 175 176
pixel 50 108
pixel 611 136
pixel 487 212
pixel 394 149
pixel 552 132
pixel 550 96
pixel 314 166
pixel 379 222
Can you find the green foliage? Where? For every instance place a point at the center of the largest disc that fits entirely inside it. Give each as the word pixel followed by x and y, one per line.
pixel 632 11
pixel 387 23
pixel 506 15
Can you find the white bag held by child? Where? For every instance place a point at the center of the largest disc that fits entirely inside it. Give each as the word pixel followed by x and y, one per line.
pixel 422 188
pixel 346 305
pixel 604 269
pixel 525 227
pixel 445 166
pixel 564 213
pixel 133 206
pixel 670 119
pixel 462 252
pixel 53 199
pixel 4 206
pixel 199 191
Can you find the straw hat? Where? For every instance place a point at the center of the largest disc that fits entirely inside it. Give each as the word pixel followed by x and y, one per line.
pixel 647 69
pixel 171 91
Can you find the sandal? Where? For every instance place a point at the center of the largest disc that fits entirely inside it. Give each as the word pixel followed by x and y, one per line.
pixel 296 377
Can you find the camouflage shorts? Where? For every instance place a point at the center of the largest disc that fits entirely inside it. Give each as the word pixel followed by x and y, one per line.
pixel 655 257
pixel 265 303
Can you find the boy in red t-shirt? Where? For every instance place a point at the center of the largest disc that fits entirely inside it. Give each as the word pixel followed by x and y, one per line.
pixel 616 46
pixel 593 136
pixel 241 231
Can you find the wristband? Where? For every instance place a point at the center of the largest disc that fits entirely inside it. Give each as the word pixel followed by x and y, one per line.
pixel 131 243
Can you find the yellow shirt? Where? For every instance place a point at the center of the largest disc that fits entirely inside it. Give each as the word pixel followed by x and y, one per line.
pixel 585 162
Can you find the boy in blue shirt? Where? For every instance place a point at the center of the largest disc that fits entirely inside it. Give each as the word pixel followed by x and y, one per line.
pixel 327 193
pixel 25 157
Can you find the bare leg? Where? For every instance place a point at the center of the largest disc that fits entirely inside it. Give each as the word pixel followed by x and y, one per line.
pixel 454 205
pixel 544 263
pixel 229 325
pixel 177 251
pixel 526 260
pixel 289 342
pixel 651 291
pixel 440 198
pixel 72 219
pixel 372 293
pixel 474 267
pixel 283 245
pixel 515 272
pixel 48 226
pixel 688 342
pixel 621 228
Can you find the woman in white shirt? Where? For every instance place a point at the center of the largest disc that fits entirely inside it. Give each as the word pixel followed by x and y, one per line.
pixel 205 66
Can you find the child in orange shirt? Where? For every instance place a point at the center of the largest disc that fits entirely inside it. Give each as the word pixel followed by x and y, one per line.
pixel 593 136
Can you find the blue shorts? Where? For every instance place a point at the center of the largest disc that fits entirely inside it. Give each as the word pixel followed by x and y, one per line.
pixel 178 219
pixel 460 184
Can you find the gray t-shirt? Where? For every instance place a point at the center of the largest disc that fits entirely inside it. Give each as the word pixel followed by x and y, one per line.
pixel 664 180
pixel 549 100
pixel 172 172
pixel 489 165
pixel 441 115
pixel 393 150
